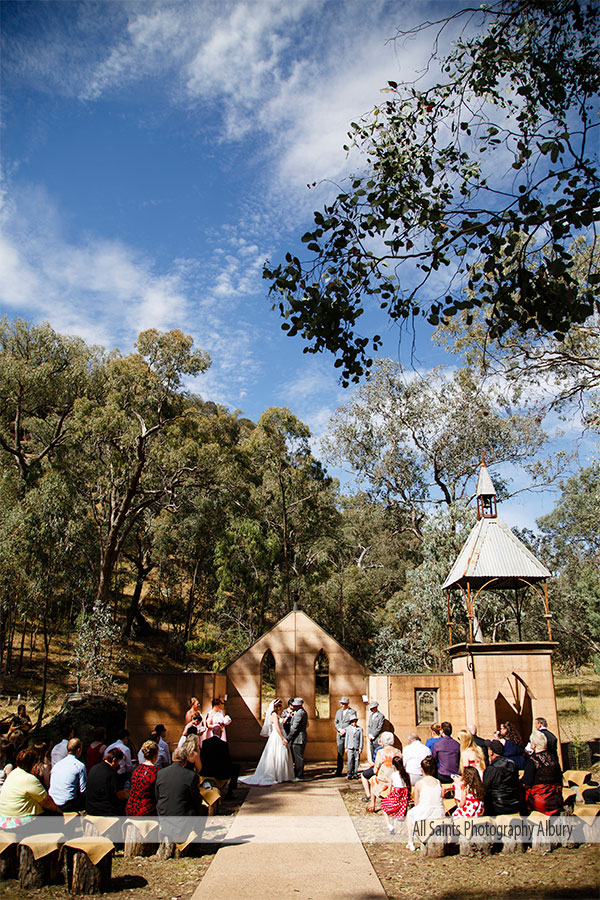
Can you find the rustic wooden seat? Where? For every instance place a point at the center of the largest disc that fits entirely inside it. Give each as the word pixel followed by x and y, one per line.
pixel 575 777
pixel 39 859
pixel 137 832
pixel 87 865
pixel 9 865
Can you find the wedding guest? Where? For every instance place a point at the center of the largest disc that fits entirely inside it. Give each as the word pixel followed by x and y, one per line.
pixel 395 804
pixel 513 744
pixel 428 799
pixel 96 748
pixel 41 767
pixel 191 748
pixel 164 752
pixel 436 734
pixel 23 796
pixel 481 742
pixel 542 777
pixel 104 795
pixel 59 751
pixel 125 767
pixel 540 724
pixel 68 779
pixel 216 761
pixel 469 792
pixel 177 791
pixel 142 794
pixel 381 780
pixel 446 753
pixel 501 783
pixel 470 753
pixel 413 755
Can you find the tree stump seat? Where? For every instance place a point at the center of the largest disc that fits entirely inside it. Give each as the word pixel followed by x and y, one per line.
pixel 136 838
pixel 87 865
pixel 9 856
pixel 39 860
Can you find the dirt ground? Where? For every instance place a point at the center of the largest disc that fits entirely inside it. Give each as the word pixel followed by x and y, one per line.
pixel 141 879
pixel 564 874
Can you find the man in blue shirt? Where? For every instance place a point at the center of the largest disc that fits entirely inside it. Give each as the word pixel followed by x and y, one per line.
pixel 68 779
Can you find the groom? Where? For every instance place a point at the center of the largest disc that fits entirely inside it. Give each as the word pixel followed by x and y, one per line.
pixel 297 736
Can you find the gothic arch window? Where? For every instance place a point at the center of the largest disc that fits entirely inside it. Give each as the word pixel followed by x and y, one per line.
pixel 267 682
pixel 322 685
pixel 426 702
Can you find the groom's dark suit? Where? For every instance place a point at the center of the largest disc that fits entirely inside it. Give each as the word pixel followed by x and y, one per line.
pixel 297 740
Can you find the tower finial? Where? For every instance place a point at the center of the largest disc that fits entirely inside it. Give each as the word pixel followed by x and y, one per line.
pixel 486 494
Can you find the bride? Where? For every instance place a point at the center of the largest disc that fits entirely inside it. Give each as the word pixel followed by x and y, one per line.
pixel 275 764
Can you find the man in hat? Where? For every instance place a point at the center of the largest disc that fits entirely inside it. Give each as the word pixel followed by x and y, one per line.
pixel 343 717
pixel 354 744
pixel 296 736
pixel 374 725
pixel 501 782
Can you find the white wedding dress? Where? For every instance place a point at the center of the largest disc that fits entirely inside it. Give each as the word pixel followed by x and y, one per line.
pixel 275 764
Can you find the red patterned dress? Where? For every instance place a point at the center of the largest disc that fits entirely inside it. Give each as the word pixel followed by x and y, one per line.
pixel 142 798
pixel 396 802
pixel 470 808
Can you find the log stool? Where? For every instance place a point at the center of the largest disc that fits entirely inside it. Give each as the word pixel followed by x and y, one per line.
pixel 39 859
pixel 431 836
pixel 9 866
pixel 87 865
pixel 476 836
pixel 136 837
pixel 512 842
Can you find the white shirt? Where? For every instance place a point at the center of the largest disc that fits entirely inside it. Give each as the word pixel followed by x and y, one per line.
pixel 125 764
pixel 67 779
pixel 59 752
pixel 413 755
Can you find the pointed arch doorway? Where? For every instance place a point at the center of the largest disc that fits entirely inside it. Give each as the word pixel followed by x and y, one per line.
pixel 513 704
pixel 268 677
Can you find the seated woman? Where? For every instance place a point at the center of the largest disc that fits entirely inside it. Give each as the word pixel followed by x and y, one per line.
pixel 470 753
pixel 436 735
pixel 380 781
pixel 97 746
pixel 513 744
pixel 142 796
pixel 41 767
pixel 23 796
pixel 469 793
pixel 428 799
pixel 191 748
pixel 395 805
pixel 542 777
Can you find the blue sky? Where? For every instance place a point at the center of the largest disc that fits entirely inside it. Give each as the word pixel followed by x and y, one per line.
pixel 155 154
